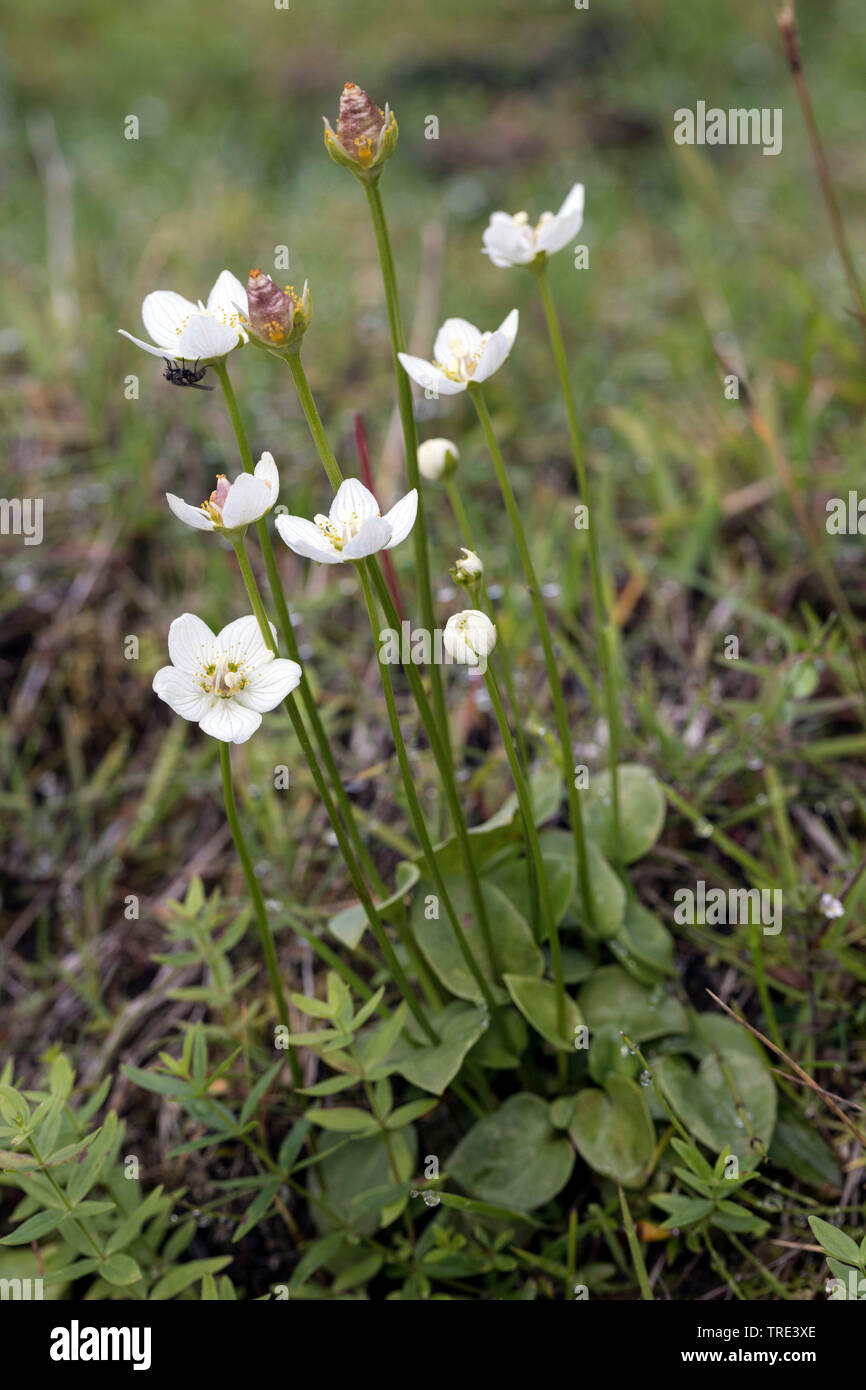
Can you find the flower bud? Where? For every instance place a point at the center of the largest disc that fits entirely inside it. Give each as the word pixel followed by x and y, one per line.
pixel 437 458
pixel 365 135
pixel 469 637
pixel 468 568
pixel 277 318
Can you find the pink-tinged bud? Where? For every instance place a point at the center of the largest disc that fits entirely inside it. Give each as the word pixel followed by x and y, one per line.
pixel 277 318
pixel 365 135
pixel 221 491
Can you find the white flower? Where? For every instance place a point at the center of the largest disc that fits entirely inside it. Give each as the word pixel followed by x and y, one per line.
pixel 510 241
pixel 223 683
pixel 232 505
pixel 830 906
pixel 469 637
pixel 437 458
pixel 191 332
pixel 462 354
pixel 353 529
pixel 468 568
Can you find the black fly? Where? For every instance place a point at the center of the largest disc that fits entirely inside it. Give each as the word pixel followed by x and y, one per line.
pixel 185 376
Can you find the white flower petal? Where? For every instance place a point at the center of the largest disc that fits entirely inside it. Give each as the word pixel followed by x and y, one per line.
pixel 456 338
pixel 193 516
pixel 573 201
pixel 249 498
pixel 352 501
pixel 496 349
pixel 506 242
pixel 191 644
pixel 164 314
pixel 177 689
pixel 242 641
pixel 401 518
pixel 267 470
pixel 509 327
pixel 270 686
pixel 148 347
pixel 204 338
pixel 306 539
pixel 230 722
pixel 430 378
pixel 226 293
pixel 374 534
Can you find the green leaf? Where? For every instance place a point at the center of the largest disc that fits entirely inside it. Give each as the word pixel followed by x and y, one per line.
pixel 20 1163
pixel 516 951
pixel 433 1068
pixel 834 1241
pixel 505 827
pixel 182 1276
pixel 87 1171
pixel 613 1132
pixel 343 1119
pixel 157 1081
pixel 609 1056
pixel 361 1272
pixel 608 895
pixel 511 874
pixel 612 996
pixel 315 1257
pixel 504 1042
pixel 705 1104
pixel 120 1270
pixel 129 1228
pixel 36 1226
pixel 643 941
pixel 798 1147
pixel 682 1211
pixel 537 1000
pixel 514 1157
pixel 349 925
pixel 258 1091
pixel 378 1045
pixel 13 1106
pixel 61 1077
pixel 642 808
pixel 259 1207
pixel 407 1114
pixel 357 1168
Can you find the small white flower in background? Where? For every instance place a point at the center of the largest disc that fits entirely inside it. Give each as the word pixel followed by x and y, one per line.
pixel 830 906
pixel 353 529
pixel 468 567
pixel 223 683
pixel 232 505
pixel 512 240
pixel 437 458
pixel 469 637
pixel 462 354
pixel 194 332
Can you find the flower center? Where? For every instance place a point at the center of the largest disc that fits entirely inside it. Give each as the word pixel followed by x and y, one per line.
pixel 224 676
pixel 213 507
pixel 462 363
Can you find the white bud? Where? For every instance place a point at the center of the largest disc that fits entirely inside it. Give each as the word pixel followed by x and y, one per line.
pixel 469 637
pixel 436 459
pixel 468 567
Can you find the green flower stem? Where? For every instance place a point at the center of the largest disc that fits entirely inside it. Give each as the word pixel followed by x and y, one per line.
pixel 264 926
pixel 462 520
pixel 446 774
pixel 358 883
pixel 533 846
pixel 285 622
pixel 415 811
pixel 410 439
pixel 603 624
pixel 441 749
pixel 576 813
pixel 314 420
